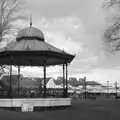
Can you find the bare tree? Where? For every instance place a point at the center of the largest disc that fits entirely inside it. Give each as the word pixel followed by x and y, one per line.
pixel 9 13
pixel 111 3
pixel 112 32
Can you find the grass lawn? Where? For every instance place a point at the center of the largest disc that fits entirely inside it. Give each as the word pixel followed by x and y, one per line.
pixel 80 110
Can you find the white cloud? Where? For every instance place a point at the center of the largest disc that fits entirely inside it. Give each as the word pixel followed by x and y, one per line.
pixel 77 27
pixel 60 41
pixel 103 75
pixel 62 32
pixel 38 71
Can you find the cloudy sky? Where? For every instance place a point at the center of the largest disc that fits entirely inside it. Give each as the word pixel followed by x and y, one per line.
pixel 76 26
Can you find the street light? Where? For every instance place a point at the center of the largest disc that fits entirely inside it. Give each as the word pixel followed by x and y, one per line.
pixel 85 92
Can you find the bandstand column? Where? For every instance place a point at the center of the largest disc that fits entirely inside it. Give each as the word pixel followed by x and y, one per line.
pixel 18 81
pixel 44 80
pixel 10 79
pixel 63 79
pixel 66 83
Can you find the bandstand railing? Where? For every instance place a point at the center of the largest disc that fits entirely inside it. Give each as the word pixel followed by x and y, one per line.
pixel 34 93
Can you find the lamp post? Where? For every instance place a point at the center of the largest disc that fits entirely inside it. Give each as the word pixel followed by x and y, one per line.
pixel 84 87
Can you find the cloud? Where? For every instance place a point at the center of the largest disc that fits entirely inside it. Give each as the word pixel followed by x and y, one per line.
pixel 69 33
pixel 53 8
pixel 62 32
pixel 76 26
pixel 103 75
pixel 38 71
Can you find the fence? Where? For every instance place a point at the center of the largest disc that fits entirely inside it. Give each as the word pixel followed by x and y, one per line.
pixel 34 93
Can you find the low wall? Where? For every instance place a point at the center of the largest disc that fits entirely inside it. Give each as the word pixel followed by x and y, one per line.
pixel 35 102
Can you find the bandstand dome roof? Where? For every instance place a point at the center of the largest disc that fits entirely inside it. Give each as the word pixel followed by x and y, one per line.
pixel 30 49
pixel 30 32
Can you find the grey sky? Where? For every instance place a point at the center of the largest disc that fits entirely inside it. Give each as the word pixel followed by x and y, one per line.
pixel 76 26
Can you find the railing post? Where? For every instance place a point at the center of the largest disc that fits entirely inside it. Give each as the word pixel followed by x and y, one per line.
pixel 44 80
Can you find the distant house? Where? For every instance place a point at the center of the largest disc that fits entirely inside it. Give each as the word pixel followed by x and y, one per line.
pixel 33 82
pixel 73 82
pixel 78 86
pixel 93 83
pixel 52 83
pixel 25 82
pixel 72 78
pixel 74 85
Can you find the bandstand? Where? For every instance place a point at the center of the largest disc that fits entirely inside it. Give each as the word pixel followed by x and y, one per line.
pixel 31 49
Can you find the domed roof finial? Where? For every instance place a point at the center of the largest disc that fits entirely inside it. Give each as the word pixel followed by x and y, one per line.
pixel 30 33
pixel 31 21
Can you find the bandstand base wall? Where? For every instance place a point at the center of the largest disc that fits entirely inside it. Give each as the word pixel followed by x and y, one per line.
pixel 28 104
